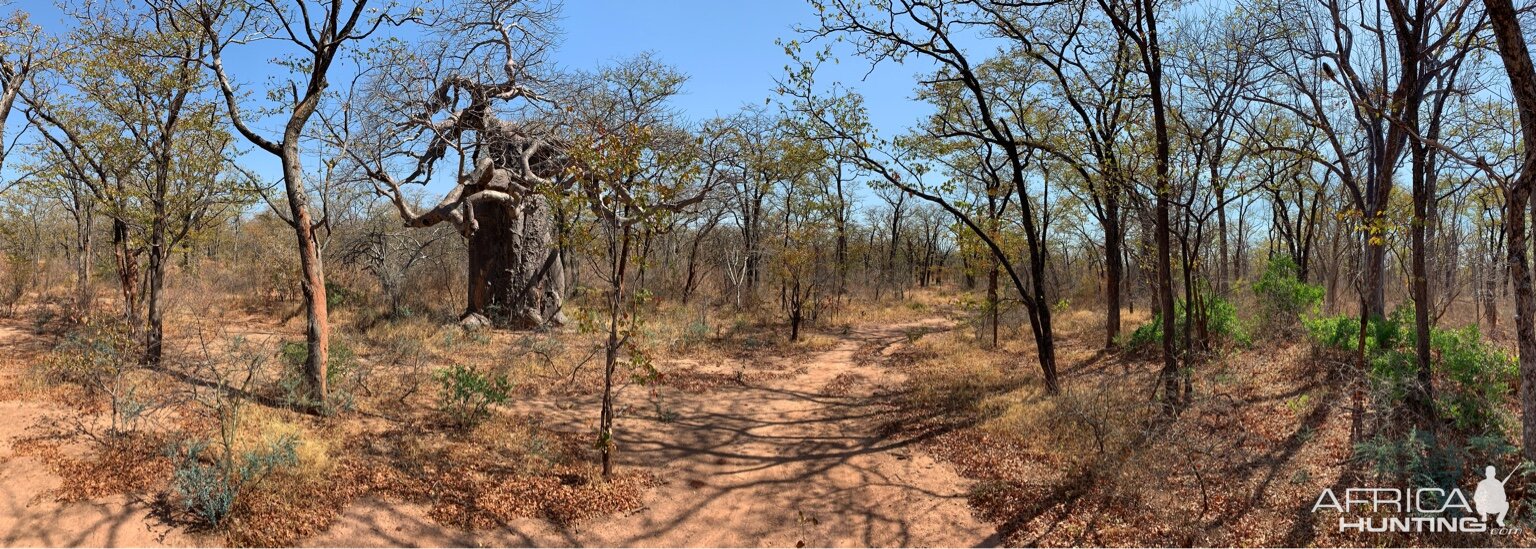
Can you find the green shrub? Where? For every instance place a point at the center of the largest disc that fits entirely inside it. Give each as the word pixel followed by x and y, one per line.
pixel 1221 323
pixel 1472 382
pixel 697 331
pixel 466 395
pixel 338 296
pixel 1283 298
pixel 103 357
pixel 209 483
pixel 1339 333
pixel 340 367
pixel 1478 378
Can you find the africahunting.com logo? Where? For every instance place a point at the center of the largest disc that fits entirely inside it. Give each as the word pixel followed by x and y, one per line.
pixel 1422 510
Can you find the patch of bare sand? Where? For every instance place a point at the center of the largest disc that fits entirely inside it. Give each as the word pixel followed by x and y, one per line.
pixel 775 462
pixel 30 513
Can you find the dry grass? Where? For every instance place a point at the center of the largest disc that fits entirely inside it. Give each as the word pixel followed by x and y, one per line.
pixel 390 443
pixel 1095 465
pixel 1100 465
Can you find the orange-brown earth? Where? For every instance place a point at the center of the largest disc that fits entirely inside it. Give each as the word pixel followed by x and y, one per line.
pixel 796 452
pixel 896 433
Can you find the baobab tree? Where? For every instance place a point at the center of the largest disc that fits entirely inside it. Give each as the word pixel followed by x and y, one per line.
pixel 440 103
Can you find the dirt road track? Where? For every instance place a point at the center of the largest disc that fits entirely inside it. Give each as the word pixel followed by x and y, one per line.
pixel 774 463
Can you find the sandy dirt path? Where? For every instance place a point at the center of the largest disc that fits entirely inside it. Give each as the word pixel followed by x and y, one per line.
pixel 777 462
pixel 774 463
pixel 30 515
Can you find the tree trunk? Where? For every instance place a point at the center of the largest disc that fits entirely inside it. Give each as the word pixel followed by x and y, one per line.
pixel 317 331
pixel 154 333
pixel 796 312
pixel 1153 61
pixel 1223 267
pixel 619 252
pixel 993 303
pixel 515 277
pixel 1423 395
pixel 127 272
pixel 1114 269
pixel 85 215
pixel 1522 77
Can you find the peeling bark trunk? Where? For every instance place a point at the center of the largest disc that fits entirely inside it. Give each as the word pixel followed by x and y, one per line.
pixel 317 332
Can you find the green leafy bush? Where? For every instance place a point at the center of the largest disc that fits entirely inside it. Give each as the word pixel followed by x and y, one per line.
pixel 1472 381
pixel 1283 298
pixel 1478 376
pixel 1221 323
pixel 340 367
pixel 466 394
pixel 1339 333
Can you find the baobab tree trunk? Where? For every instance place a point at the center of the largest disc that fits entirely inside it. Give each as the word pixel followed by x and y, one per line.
pixel 516 276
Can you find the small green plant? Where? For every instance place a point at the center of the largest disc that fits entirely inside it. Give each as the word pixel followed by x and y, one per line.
pixel 466 394
pixel 340 378
pixel 209 483
pixel 1298 403
pixel 1221 323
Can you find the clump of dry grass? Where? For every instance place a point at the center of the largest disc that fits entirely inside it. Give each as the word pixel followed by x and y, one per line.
pixel 947 372
pixel 691 380
pixel 916 304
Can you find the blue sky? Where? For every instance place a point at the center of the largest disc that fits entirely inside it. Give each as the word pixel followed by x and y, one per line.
pixel 727 48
